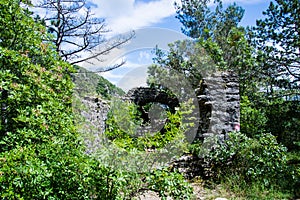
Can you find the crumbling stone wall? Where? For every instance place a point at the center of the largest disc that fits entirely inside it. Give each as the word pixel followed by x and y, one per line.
pixel 223 100
pixel 219 105
pixel 91 122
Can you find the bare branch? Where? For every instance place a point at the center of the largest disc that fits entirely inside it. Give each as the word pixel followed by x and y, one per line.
pixel 106 50
pixel 78 35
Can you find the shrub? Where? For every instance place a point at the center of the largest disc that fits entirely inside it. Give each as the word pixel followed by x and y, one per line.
pixel 124 121
pixel 170 184
pixel 121 128
pixel 60 171
pixel 41 156
pixel 253 120
pixel 253 159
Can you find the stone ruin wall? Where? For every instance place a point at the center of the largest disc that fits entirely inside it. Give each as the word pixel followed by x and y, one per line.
pixel 219 114
pixel 218 104
pixel 93 113
pixel 222 98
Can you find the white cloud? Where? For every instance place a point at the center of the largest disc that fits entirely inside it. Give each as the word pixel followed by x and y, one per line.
pixel 134 78
pixel 110 75
pixel 137 53
pixel 125 15
pixel 128 76
pixel 144 55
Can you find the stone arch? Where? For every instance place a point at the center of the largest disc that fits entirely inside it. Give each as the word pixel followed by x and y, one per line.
pixel 219 115
pixel 142 96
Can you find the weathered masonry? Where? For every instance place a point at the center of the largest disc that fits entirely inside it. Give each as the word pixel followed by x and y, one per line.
pixel 219 105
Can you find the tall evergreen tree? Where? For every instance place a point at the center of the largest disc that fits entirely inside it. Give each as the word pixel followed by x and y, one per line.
pixel 278 53
pixel 277 37
pixel 220 35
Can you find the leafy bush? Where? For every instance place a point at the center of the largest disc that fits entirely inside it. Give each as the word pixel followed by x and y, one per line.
pixel 52 171
pixel 284 122
pixel 253 159
pixel 38 85
pixel 253 121
pixel 255 168
pixel 170 184
pixel 121 128
pixel 40 154
pixel 124 121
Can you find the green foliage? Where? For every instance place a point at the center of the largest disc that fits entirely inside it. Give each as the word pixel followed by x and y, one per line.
pixel 59 171
pixel 17 28
pixel 38 84
pixel 90 83
pixel 218 30
pixel 123 124
pixel 277 42
pixel 268 70
pixel 280 60
pixel 253 120
pixel 162 181
pixel 40 155
pixel 170 184
pixel 242 190
pixel 224 42
pixel 107 89
pixel 294 163
pixel 284 121
pixel 121 128
pixel 235 55
pixel 183 58
pixel 256 162
pixel 199 21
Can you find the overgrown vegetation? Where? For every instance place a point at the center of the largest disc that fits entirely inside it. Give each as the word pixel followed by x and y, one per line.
pixel 126 128
pixel 42 157
pixel 256 162
pixel 89 83
pixel 260 163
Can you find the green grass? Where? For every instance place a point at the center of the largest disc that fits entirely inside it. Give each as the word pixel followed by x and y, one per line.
pixel 254 190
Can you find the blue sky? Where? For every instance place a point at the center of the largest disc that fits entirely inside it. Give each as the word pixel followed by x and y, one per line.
pixel 155 24
pixel 253 11
pixel 124 15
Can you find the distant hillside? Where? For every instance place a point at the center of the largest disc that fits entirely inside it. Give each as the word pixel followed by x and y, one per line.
pixel 92 84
